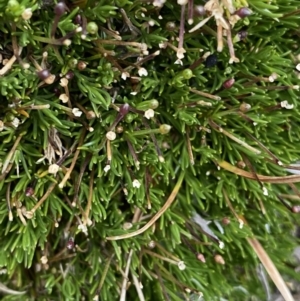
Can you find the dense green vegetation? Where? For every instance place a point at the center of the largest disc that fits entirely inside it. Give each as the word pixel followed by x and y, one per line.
pixel 144 148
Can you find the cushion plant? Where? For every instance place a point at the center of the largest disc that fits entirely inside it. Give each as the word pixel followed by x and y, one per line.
pixel 146 149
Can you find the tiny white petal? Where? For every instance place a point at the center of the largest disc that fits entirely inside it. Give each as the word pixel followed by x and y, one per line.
pixel 182 2
pixel 149 113
pixel 64 98
pixel 178 62
pixel 67 42
pixel 107 168
pixel 286 105
pixel 298 67
pixel 53 168
pixel 27 14
pixel 241 223
pixel 142 72
pixel 180 53
pixel 82 228
pixel 76 112
pixel 265 191
pixel 221 244
pixel 151 23
pixel 44 259
pixel 16 122
pixel 134 93
pixel 181 265
pixel 64 82
pixel 158 3
pixel 136 183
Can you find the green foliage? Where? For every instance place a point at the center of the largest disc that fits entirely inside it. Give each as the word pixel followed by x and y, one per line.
pixel 77 167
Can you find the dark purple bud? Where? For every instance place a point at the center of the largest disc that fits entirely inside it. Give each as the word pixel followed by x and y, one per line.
pixel 228 83
pixel 78 20
pixel 70 244
pixel 243 12
pixel 59 9
pixel 69 75
pixel 124 109
pixel 199 11
pixel 44 74
pixel 242 34
pixel 57 92
pixel 29 191
pixel 211 61
pixel 296 209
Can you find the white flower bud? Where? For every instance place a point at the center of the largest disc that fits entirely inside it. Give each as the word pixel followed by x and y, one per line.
pixel 106 168
pixel 149 113
pixel 44 259
pixel 27 14
pixel 111 135
pixel 64 82
pixel 286 105
pixel 142 72
pixel 16 122
pixel 181 265
pixel 76 112
pixel 136 183
pixel 53 168
pixel 64 98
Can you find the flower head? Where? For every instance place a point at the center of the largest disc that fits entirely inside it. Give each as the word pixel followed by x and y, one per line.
pixel 136 183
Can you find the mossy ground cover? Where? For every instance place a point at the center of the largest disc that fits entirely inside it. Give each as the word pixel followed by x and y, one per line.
pixel 144 149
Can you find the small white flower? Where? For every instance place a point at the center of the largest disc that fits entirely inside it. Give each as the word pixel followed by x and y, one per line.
pixel 221 244
pixel 158 3
pixel 136 183
pixel 134 93
pixel 124 75
pixel 298 67
pixel 127 226
pixel 180 53
pixel 44 259
pixel 76 112
pixel 67 42
pixel 151 23
pixel 286 105
pixel 149 113
pixel 16 122
pixel 27 14
pixel 178 62
pixel 53 168
pixel 273 77
pixel 83 228
pixel 64 98
pixel 89 222
pixel 181 265
pixel 106 168
pixel 142 72
pixel 64 82
pixel 265 191
pixel 182 2
pixel 111 135
pixel 241 223
pixel 163 45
